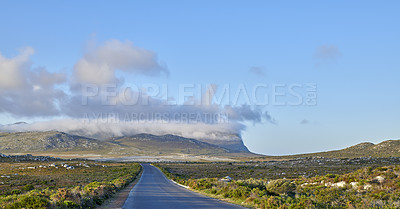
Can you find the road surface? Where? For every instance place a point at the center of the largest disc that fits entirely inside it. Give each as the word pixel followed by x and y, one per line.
pixel 154 191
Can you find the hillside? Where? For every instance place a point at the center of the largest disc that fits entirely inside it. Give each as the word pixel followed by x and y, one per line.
pixel 223 139
pixel 389 148
pixel 28 142
pixel 166 144
pixel 54 143
pixel 229 141
pixel 59 143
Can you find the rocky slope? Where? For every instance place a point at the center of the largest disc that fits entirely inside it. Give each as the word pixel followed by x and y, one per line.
pixel 229 141
pixel 48 141
pixel 389 148
pixel 166 144
pixel 140 144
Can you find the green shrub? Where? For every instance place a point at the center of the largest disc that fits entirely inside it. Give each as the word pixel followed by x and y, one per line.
pixel 119 182
pixel 381 168
pixel 331 176
pixel 281 186
pixel 99 191
pixel 29 202
pixel 273 202
pixel 92 187
pixel 28 187
pixel 67 191
pixel 213 191
pixel 70 204
pixel 239 193
pixel 16 191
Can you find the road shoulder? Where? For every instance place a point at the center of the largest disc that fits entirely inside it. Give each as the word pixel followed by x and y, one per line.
pixel 118 200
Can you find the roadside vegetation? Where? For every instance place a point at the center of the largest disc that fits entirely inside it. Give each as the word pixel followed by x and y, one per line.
pixel 290 169
pixel 366 187
pixel 62 184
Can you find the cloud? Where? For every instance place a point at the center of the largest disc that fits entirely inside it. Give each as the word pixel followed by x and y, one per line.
pixel 13 70
pixel 257 70
pixel 104 60
pixel 25 91
pixel 308 122
pixel 140 103
pixel 103 130
pixel 43 78
pixel 101 119
pixel 326 54
pixel 269 118
pixel 304 122
pixel 37 92
pixel 125 104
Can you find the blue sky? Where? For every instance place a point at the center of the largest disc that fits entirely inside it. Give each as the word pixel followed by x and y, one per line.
pixel 350 50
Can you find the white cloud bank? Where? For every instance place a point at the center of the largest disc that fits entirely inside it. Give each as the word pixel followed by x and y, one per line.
pixel 12 70
pixel 104 130
pixel 25 91
pixel 99 64
pixel 36 92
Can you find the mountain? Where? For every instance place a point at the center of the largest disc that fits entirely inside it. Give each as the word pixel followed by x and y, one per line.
pixel 19 123
pixel 21 142
pixel 229 141
pixel 389 148
pixel 167 144
pixel 54 142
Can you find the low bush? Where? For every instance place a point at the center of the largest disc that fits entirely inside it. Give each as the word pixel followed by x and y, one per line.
pixel 353 190
pixel 88 195
pixel 281 186
pixel 28 187
pixel 29 202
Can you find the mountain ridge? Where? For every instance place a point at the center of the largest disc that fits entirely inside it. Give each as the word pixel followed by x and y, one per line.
pixel 168 143
pixel 139 144
pixel 383 149
pixel 386 148
pixel 160 145
pixel 32 141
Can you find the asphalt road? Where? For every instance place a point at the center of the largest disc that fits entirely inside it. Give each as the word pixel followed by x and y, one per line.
pixel 155 191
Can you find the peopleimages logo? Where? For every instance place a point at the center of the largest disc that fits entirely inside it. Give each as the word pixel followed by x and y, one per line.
pixel 157 117
pixel 191 103
pixel 260 94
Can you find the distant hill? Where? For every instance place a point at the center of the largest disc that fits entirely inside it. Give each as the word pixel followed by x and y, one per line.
pixel 389 148
pixel 19 123
pixel 21 142
pixel 230 141
pixel 54 142
pixel 223 139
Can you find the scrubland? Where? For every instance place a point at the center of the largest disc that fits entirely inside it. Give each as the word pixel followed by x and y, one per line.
pixel 62 184
pixel 301 183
